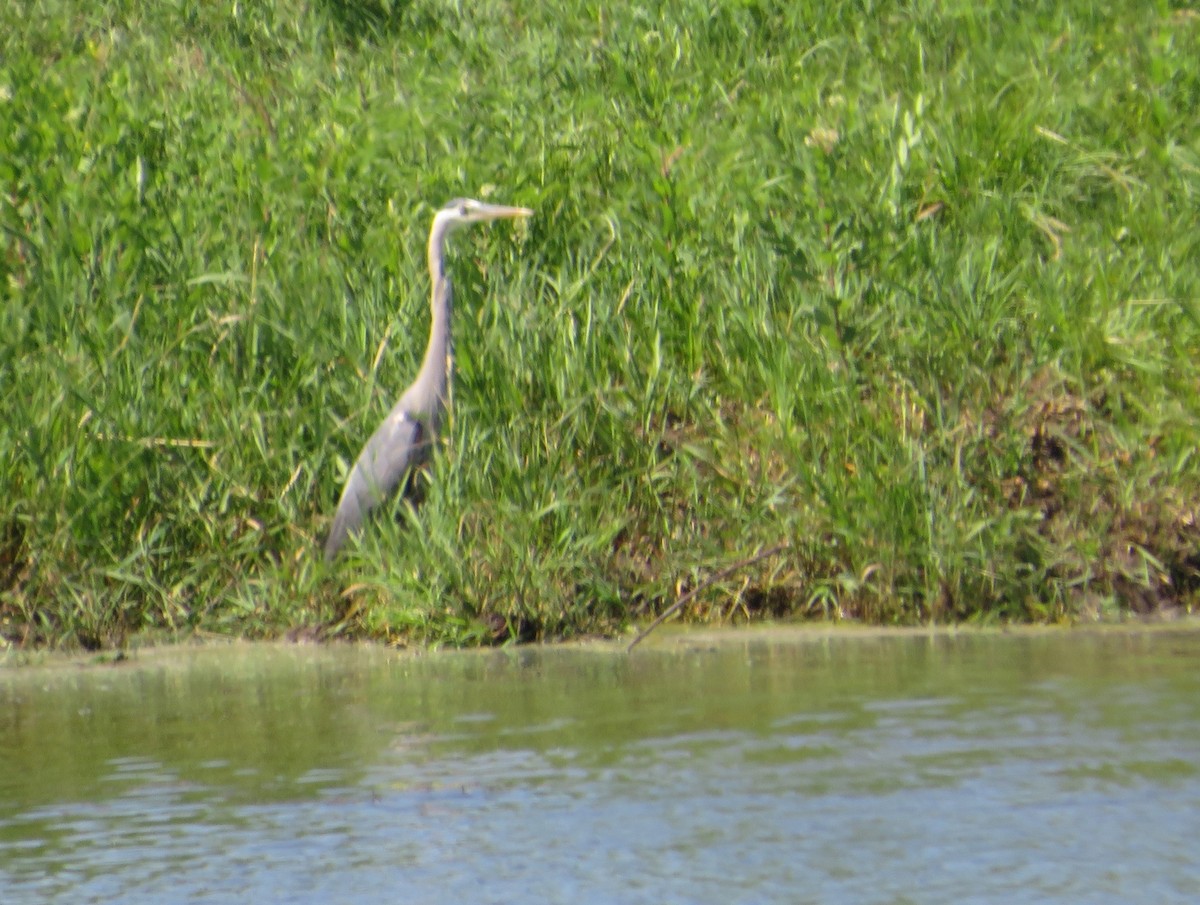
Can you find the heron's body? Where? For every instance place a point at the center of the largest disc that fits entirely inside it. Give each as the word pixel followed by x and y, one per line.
pixel 404 441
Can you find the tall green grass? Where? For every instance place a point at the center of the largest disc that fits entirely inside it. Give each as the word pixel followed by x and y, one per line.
pixel 912 287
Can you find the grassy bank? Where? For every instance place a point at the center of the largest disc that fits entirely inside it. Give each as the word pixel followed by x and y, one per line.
pixel 910 288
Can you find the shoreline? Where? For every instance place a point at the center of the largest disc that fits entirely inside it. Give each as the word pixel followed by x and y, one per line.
pixel 668 639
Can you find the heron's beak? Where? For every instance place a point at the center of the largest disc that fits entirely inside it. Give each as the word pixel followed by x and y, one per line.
pixel 500 211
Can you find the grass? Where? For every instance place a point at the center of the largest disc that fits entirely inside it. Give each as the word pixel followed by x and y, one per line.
pixel 910 287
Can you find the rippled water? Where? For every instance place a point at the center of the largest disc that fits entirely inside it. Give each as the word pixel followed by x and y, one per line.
pixel 1048 766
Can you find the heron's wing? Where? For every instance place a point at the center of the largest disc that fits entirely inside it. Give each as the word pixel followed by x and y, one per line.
pixel 398 445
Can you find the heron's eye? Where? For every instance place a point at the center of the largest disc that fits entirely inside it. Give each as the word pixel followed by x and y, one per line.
pixel 463 211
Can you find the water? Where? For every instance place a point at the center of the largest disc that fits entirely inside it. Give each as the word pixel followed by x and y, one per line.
pixel 1050 766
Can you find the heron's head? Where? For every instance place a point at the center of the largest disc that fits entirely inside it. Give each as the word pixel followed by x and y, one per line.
pixel 462 211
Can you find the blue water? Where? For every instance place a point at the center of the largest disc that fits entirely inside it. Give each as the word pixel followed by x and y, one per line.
pixel 1057 767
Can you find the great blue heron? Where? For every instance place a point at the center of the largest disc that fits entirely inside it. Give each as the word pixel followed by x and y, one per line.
pixel 404 440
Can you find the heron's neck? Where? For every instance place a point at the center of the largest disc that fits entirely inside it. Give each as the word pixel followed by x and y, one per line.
pixel 437 353
pixel 437 249
pixel 435 368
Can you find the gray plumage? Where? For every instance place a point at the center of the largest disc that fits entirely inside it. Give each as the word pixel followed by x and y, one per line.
pixel 404 441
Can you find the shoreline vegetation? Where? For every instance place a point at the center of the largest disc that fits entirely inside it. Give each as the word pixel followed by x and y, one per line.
pixel 908 293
